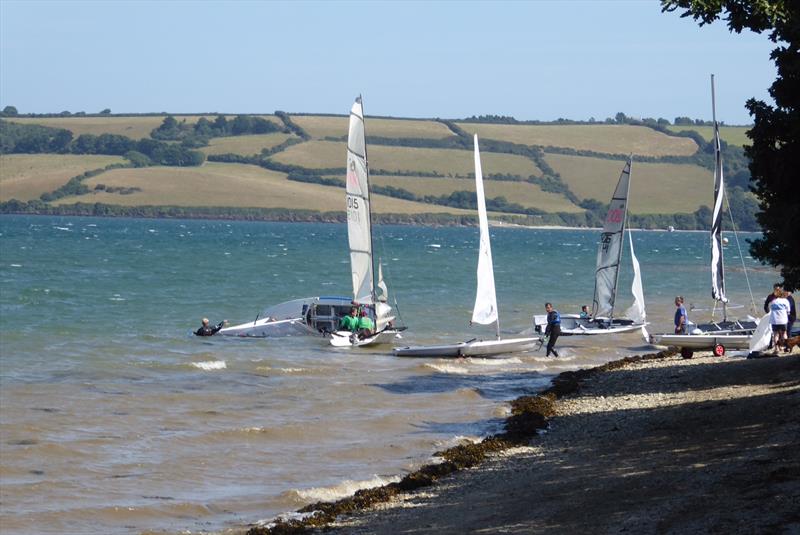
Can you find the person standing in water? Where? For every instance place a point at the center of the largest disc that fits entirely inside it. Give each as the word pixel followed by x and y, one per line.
pixel 208 330
pixel 553 329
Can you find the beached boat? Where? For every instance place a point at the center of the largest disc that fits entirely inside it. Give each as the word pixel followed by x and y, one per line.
pixel 359 233
pixel 609 257
pixel 309 315
pixel 727 333
pixel 485 310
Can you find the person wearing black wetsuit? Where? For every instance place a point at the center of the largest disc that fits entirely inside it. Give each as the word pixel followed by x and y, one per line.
pixel 208 330
pixel 553 329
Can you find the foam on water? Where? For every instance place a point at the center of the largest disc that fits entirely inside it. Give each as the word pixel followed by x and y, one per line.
pixel 210 365
pixel 345 488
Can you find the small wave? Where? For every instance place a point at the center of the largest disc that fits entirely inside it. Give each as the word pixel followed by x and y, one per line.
pixel 345 488
pixel 447 368
pixel 434 245
pixel 16 265
pixel 270 523
pixel 63 228
pixel 494 362
pixel 458 440
pixel 210 365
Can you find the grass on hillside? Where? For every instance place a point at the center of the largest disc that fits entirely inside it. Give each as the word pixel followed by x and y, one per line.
pixel 245 145
pixel 656 188
pixel 319 126
pixel 329 154
pixel 733 135
pixel 232 185
pixel 26 176
pixel 524 193
pixel 134 127
pixel 611 139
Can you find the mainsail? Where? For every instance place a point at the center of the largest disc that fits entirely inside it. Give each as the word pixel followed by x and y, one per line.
pixel 359 229
pixel 485 309
pixel 717 261
pixel 609 251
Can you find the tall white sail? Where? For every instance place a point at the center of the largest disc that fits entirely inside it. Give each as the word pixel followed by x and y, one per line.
pixel 485 309
pixel 717 261
pixel 636 312
pixel 359 229
pixel 609 251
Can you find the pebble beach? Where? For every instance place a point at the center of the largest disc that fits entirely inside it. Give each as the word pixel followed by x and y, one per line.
pixel 661 445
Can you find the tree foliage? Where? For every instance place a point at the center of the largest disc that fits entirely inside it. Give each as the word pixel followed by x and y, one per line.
pixel 775 150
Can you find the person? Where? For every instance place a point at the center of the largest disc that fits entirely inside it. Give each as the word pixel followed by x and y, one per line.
pixel 776 288
pixel 350 322
pixel 680 316
pixel 584 312
pixel 792 319
pixel 778 318
pixel 208 330
pixel 553 329
pixel 365 325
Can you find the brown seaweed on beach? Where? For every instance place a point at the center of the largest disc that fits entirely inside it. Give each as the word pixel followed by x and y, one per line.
pixel 529 414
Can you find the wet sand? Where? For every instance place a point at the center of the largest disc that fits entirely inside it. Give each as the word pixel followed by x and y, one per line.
pixel 707 445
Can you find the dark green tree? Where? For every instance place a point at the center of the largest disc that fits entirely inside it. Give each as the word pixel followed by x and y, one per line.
pixel 10 111
pixel 775 150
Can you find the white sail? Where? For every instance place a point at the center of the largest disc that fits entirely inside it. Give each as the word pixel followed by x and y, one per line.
pixel 717 261
pixel 636 312
pixel 609 251
pixel 359 230
pixel 384 291
pixel 485 309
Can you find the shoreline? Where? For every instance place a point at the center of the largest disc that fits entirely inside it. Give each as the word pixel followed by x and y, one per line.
pixel 635 444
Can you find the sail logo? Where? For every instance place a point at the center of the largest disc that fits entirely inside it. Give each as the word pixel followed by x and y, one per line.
pixel 352 177
pixel 614 215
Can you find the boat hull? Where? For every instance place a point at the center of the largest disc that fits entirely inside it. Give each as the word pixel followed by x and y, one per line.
pixel 574 325
pixel 346 338
pixel 307 316
pixel 702 341
pixel 472 348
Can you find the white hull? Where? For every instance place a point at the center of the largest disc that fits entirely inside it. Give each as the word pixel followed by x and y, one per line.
pixel 477 348
pixel 702 341
pixel 348 339
pixel 308 316
pixel 574 325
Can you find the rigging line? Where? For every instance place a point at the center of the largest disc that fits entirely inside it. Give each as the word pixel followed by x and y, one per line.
pixel 741 256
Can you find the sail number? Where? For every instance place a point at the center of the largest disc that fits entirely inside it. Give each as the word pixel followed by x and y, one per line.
pixel 352 208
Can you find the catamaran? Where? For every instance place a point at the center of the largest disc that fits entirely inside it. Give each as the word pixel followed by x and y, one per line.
pixel 609 257
pixel 725 334
pixel 485 310
pixel 359 233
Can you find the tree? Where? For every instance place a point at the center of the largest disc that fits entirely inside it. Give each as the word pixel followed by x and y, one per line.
pixel 775 150
pixel 10 111
pixel 106 111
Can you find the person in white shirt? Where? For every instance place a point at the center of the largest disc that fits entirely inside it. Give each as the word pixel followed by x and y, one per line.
pixel 778 318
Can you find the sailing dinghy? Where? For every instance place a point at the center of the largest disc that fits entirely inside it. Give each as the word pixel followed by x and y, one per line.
pixel 485 310
pixel 725 334
pixel 359 234
pixel 609 257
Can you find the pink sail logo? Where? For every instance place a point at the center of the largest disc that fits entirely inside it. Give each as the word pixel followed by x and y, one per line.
pixel 352 178
pixel 614 216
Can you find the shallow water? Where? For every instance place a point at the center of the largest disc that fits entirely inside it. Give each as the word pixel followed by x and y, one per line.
pixel 114 419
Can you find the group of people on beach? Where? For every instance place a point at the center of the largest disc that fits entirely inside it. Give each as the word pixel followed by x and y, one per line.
pixel 782 312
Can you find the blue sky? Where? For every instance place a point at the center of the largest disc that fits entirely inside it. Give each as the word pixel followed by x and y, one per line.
pixel 532 60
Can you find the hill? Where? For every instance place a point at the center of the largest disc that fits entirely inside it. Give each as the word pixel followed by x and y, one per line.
pixel 260 165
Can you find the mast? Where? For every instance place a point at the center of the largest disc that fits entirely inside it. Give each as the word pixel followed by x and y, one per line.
pixel 369 216
pixel 717 256
pixel 622 235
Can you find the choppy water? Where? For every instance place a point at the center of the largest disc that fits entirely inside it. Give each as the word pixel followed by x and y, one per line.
pixel 114 419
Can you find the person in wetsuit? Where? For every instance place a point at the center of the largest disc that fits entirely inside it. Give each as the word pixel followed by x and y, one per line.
pixel 208 330
pixel 553 329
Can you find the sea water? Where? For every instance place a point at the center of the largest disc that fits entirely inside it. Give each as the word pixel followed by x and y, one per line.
pixel 115 419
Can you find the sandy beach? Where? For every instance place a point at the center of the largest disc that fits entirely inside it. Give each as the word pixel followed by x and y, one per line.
pixel 664 445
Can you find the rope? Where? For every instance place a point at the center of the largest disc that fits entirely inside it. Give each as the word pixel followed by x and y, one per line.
pixel 741 256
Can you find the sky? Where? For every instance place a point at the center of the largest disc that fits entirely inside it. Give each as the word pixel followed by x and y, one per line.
pixel 539 60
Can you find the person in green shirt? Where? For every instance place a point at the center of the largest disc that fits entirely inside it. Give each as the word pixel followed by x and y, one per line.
pixel 350 322
pixel 365 325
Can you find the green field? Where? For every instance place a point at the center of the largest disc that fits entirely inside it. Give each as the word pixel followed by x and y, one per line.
pixel 524 193
pixel 232 185
pixel 733 135
pixel 610 139
pixel 656 188
pixel 26 176
pixel 134 127
pixel 330 154
pixel 244 145
pixel 320 126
